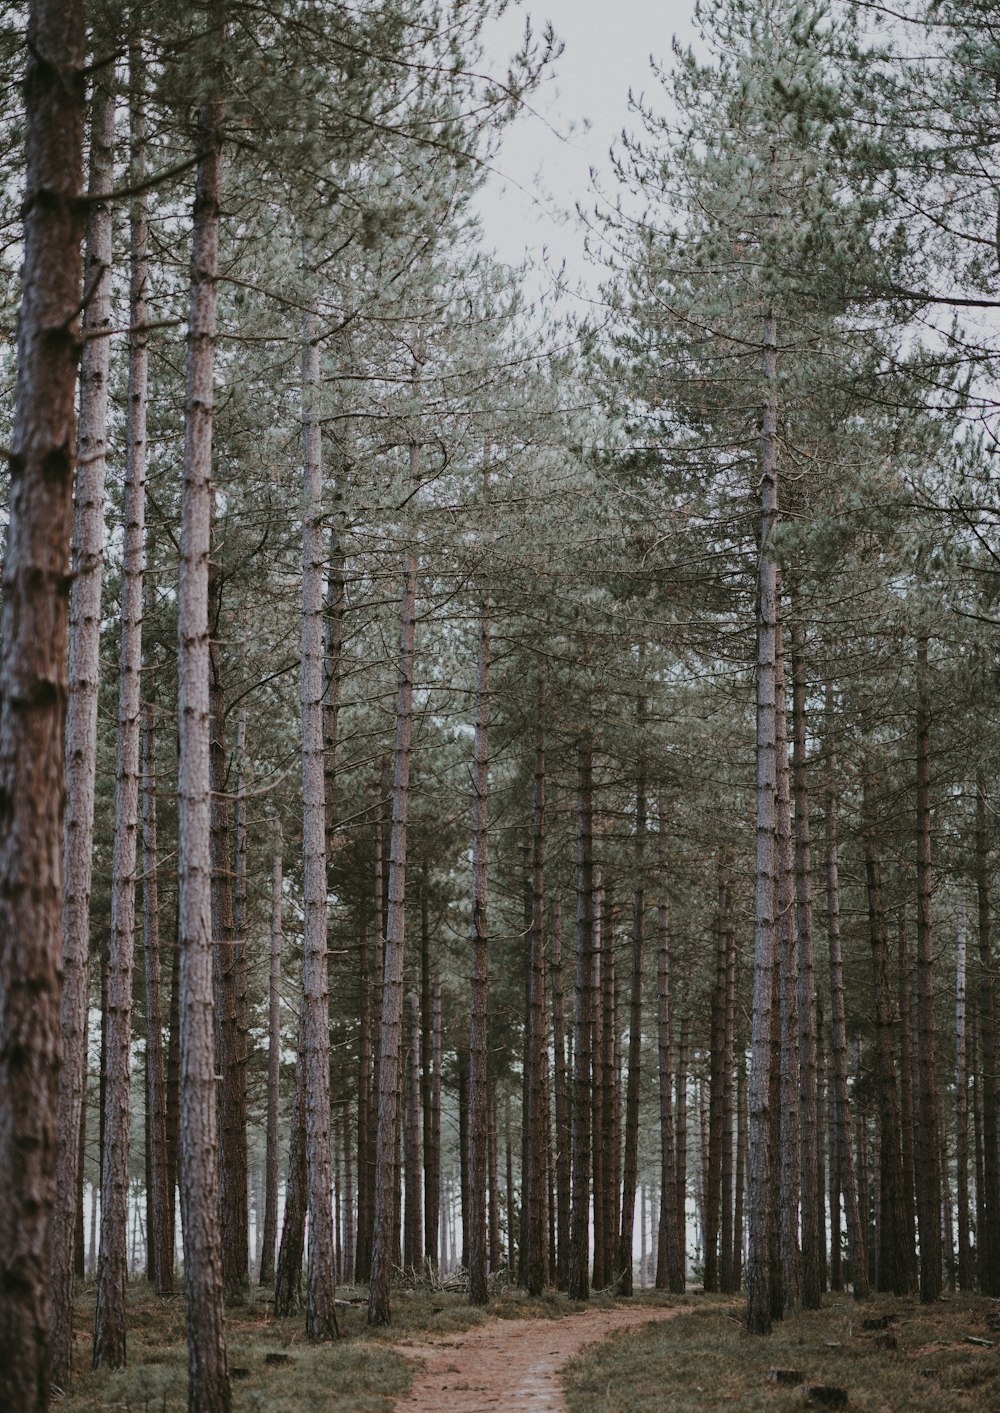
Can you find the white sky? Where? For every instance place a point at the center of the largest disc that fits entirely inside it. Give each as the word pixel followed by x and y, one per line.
pixel 543 170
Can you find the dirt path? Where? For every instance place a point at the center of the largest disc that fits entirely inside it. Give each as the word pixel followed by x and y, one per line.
pixel 510 1364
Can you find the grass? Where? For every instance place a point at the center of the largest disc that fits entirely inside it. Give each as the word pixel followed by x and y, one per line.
pixel 703 1360
pixel 361 1373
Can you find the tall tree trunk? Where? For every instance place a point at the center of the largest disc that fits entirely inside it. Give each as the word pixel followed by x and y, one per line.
pixel 631 1162
pixel 713 1167
pixel 85 595
pixel 989 1231
pixel 387 1137
pixel 431 1204
pixel 928 1164
pixel 962 1106
pixel 680 1161
pixel 610 1108
pixel 841 1107
pixel 207 1361
pixel 578 1276
pixel 791 1265
pixel 563 1142
pixel 173 1081
pixel 599 1276
pixel 347 1274
pixel 761 1160
pixel 479 975
pixel 893 1263
pixel 670 1241
pixel 809 1129
pixel 728 1114
pixel 288 1276
pixel 321 1314
pixel 226 967
pixel 533 1178
pixel 492 1163
pixel 413 1234
pixel 906 1094
pixel 270 1233
pixel 742 1123
pixel 362 1255
pixel 433 1166
pixel 109 1320
pixel 462 1058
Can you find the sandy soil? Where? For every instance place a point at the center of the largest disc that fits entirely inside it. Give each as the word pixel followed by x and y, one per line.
pixel 509 1364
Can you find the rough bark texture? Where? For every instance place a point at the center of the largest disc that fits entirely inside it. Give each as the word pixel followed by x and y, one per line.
pixel 670 1243
pixel 791 1264
pixel 893 1260
pixel 81 718
pixel 761 1176
pixel 33 691
pixel 712 1203
pixel 321 1315
pixel 208 1389
pixel 109 1320
pixel 962 1104
pixel 533 1178
pixel 270 1233
pixel 809 1145
pixel 413 1228
pixel 989 1227
pixel 578 1276
pixel 479 977
pixel 631 1158
pixel 563 1142
pixel 387 1137
pixel 928 1162
pixel 840 1103
pixel 288 1276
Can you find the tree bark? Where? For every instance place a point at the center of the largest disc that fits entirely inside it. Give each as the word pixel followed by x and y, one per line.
pixel 761 1176
pixel 387 1137
pixel 321 1314
pixel 563 1139
pixel 413 1232
pixel 670 1241
pixel 631 1158
pixel 288 1276
pixel 928 1163
pixel 791 1265
pixel 33 690
pixel 962 1105
pixel 809 1146
pixel 479 975
pixel 208 1390
pixel 270 1233
pixel 845 1164
pixel 579 1255
pixel 84 670
pixel 989 1230
pixel 906 1092
pixel 894 1262
pixel 712 1202
pixel 533 1178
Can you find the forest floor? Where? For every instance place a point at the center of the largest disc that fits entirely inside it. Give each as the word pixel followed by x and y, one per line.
pixel 550 1355
pixel 943 1358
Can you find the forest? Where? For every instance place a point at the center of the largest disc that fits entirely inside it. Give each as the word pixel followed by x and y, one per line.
pixel 498 791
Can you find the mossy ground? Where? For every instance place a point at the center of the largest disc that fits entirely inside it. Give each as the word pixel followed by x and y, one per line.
pixel 361 1373
pixel 704 1360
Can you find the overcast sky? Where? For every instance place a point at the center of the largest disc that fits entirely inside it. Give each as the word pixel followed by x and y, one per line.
pixel 544 165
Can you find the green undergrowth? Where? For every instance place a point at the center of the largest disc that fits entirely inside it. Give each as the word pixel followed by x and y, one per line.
pixel 703 1359
pixel 364 1372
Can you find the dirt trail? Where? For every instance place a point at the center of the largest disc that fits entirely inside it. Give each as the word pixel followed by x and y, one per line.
pixel 510 1364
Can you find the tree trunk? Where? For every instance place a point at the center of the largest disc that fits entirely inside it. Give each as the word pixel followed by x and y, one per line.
pixel 432 1174
pixel 273 1081
pixel 988 1235
pixel 713 1167
pixel 791 1266
pixel 479 976
pixel 362 1255
pixel 599 1276
pixel 809 1129
pixel 841 1107
pixel 631 1160
pixel 962 1106
pixel 431 1204
pixel 761 1160
pixel 347 1273
pixel 928 1163
pixel 670 1241
pixel 728 1041
pixel 288 1277
pixel 413 1241
pixel 230 1057
pixel 207 1362
pixel 85 594
pixel 906 1094
pixel 563 1140
pixel 533 1179
pixel 680 1161
pixel 894 1263
pixel 492 1163
pixel 579 1255
pixel 387 1137
pixel 742 1121
pixel 161 1193
pixel 321 1314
